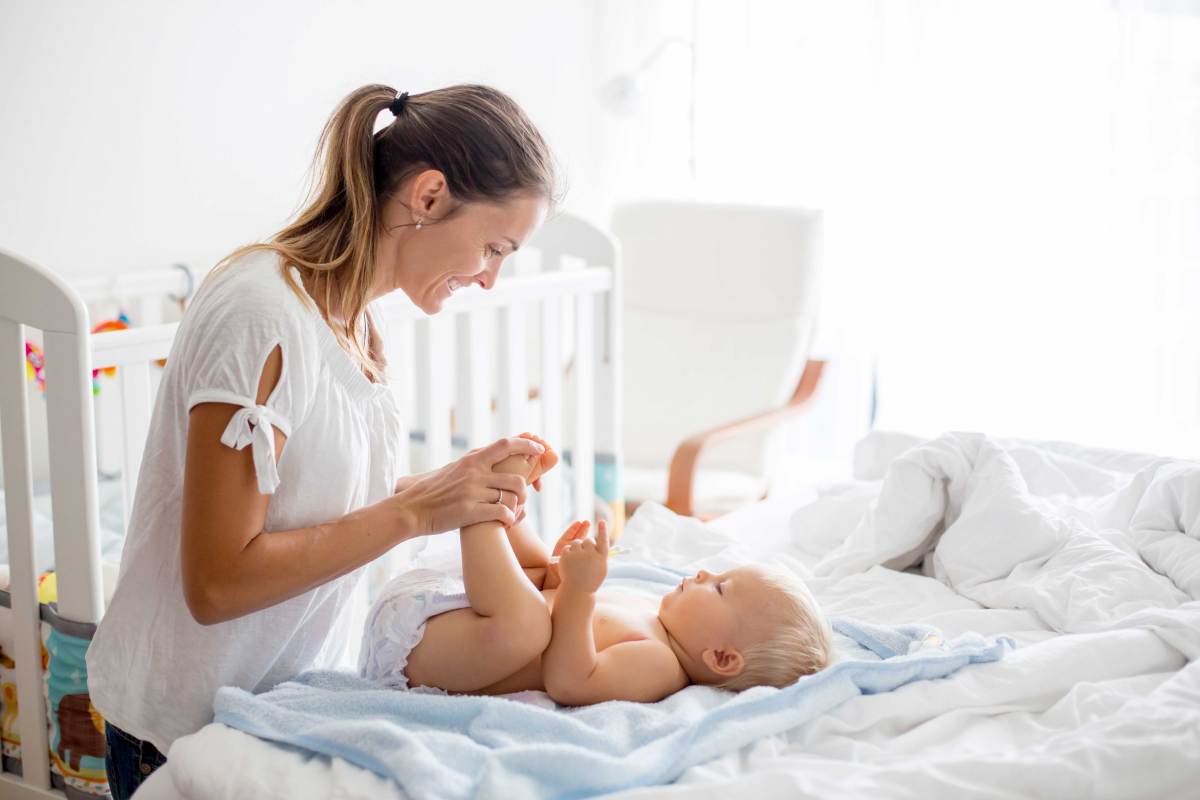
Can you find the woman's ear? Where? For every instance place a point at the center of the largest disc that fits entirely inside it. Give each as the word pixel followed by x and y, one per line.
pixel 429 193
pixel 724 661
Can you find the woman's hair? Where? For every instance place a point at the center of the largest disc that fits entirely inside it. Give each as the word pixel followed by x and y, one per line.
pixel 801 641
pixel 477 136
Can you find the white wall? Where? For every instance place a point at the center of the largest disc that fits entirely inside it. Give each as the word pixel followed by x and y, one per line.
pixel 137 134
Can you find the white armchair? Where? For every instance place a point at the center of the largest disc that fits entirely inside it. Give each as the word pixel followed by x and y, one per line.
pixel 719 313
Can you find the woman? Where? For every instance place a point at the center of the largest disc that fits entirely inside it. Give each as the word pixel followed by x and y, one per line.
pixel 269 475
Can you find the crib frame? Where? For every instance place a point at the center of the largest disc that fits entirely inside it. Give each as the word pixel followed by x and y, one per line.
pixel 579 271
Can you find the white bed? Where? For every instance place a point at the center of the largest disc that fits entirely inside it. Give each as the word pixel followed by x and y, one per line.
pixel 1089 705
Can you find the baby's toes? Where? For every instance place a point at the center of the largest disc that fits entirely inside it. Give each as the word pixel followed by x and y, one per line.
pixel 549 460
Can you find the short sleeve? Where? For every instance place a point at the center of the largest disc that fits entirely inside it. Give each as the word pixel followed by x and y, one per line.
pixel 231 331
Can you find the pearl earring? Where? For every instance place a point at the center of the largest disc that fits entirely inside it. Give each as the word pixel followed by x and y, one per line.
pixel 418 224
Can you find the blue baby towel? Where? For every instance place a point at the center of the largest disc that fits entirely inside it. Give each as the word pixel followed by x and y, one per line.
pixel 435 745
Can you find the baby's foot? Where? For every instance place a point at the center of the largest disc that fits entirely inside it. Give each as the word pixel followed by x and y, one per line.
pixel 539 465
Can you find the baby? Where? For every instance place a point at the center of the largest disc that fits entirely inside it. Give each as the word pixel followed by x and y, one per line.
pixel 522 619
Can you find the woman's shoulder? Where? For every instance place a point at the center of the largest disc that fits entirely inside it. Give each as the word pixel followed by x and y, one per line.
pixel 255 277
pixel 251 291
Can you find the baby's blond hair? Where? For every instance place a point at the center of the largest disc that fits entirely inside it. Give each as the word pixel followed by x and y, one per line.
pixel 801 641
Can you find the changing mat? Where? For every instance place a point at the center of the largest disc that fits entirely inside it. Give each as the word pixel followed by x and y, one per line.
pixel 433 744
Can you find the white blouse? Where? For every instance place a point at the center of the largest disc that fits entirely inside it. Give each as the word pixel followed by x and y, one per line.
pixel 152 669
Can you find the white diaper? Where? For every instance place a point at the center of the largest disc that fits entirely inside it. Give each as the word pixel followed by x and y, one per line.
pixel 396 621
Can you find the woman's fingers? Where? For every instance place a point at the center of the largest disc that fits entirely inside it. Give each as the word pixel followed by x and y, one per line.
pixel 511 446
pixel 502 497
pixel 513 486
pixel 492 512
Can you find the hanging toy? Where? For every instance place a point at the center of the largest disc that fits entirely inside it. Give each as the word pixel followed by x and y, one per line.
pixel 35 365
pixel 119 324
pixel 35 359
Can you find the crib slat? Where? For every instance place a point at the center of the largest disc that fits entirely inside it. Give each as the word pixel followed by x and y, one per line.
pixel 149 310
pixel 552 415
pixel 433 389
pixel 18 497
pixel 474 378
pixel 400 348
pixel 73 476
pixel 513 400
pixel 583 448
pixel 135 426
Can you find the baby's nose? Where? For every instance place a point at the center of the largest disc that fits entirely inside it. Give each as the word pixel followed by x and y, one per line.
pixel 701 575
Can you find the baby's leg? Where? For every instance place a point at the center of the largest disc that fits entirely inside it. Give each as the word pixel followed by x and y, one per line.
pixel 507 625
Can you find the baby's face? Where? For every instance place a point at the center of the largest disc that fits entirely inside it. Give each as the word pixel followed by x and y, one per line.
pixel 712 611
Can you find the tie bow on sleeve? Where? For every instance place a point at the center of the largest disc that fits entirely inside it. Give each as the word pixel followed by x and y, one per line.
pixel 251 425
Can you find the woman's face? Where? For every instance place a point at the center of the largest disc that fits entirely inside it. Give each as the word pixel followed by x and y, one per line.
pixel 467 246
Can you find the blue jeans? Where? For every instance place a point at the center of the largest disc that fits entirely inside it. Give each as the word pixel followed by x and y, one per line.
pixel 128 761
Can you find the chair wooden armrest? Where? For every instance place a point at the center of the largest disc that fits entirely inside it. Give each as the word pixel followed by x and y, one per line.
pixel 682 476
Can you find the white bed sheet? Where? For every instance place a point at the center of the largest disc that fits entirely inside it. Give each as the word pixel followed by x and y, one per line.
pixel 1113 713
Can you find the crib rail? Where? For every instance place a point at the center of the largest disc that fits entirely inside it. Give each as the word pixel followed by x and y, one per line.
pixel 36 297
pixel 463 377
pixel 463 335
pixel 447 359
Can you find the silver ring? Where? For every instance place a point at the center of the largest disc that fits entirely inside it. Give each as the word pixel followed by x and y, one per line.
pixel 500 496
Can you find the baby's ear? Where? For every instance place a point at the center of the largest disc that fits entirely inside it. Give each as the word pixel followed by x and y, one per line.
pixel 724 661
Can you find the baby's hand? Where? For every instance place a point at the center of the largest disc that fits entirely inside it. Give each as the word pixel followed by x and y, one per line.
pixel 575 531
pixel 541 465
pixel 584 562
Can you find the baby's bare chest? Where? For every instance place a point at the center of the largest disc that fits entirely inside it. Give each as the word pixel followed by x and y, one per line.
pixel 621 617
pixel 624 618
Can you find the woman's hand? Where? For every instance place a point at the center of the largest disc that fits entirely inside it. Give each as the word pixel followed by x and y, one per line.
pixel 466 491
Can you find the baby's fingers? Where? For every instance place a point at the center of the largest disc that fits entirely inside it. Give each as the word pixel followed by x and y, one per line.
pixel 577 530
pixel 602 537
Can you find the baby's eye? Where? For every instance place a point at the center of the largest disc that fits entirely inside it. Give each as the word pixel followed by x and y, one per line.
pixel 720 591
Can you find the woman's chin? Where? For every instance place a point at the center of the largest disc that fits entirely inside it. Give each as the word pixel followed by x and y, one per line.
pixel 431 304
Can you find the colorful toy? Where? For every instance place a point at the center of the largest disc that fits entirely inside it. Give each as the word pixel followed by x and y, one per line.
pixel 35 359
pixel 121 323
pixel 35 365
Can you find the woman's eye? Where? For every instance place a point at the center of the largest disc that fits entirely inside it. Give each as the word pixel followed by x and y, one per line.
pixel 491 251
pixel 720 591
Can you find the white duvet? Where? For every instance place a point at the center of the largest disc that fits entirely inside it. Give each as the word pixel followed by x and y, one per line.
pixel 1090 559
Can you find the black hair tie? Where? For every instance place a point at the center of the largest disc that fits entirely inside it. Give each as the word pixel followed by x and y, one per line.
pixel 397 105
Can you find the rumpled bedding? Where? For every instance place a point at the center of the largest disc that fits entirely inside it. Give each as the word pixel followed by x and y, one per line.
pixel 1086 557
pixel 1085 546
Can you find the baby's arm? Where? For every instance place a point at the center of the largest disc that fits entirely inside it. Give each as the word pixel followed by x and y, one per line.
pixel 573 672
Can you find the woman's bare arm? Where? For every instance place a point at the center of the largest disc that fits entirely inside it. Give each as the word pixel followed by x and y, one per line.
pixel 231 567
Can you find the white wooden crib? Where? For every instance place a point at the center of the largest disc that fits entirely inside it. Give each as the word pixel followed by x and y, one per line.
pixel 540 351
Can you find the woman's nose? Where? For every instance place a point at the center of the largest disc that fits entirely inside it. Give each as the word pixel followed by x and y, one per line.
pixel 489 276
